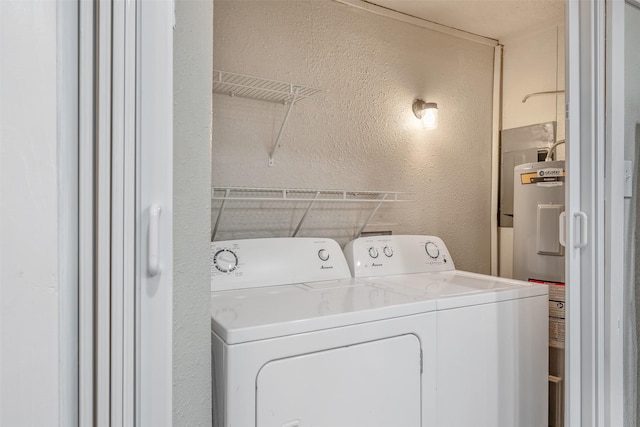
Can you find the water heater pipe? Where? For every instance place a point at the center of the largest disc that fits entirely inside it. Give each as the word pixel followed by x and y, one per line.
pixel 552 149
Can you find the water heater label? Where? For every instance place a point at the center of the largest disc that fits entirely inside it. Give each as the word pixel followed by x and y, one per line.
pixel 551 172
pixel 544 177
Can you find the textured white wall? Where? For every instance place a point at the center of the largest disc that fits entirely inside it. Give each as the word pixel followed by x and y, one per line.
pixel 361 133
pixel 193 47
pixel 29 334
pixel 532 62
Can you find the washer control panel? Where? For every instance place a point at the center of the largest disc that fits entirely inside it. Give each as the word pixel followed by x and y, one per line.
pixel 239 264
pixel 402 254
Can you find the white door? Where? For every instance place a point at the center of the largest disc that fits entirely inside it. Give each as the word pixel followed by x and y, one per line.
pixel 125 212
pixel 154 212
pixel 584 209
pixel 595 212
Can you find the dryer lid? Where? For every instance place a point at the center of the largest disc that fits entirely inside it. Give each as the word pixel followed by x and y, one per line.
pixel 456 288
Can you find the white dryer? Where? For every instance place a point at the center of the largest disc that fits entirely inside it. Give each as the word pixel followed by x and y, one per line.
pixel 491 339
pixel 297 342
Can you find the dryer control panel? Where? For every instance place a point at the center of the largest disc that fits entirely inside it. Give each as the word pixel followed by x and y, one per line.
pixel 390 255
pixel 252 263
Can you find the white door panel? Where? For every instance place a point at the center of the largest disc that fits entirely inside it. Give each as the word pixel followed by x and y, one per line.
pixel 371 384
pixel 155 184
pixel 585 172
pixel 595 166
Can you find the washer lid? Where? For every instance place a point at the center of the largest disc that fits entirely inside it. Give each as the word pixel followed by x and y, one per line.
pixel 454 289
pixel 261 313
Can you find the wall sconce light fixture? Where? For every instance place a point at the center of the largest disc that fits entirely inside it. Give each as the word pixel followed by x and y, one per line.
pixel 427 112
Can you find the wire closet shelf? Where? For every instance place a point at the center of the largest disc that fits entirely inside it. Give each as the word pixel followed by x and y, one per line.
pixel 310 196
pixel 245 86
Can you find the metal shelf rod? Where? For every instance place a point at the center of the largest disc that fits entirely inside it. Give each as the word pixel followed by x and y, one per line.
pixel 295 233
pixel 215 228
pixel 371 216
pixel 274 147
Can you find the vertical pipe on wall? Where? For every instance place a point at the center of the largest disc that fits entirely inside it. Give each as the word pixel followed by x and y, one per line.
pixel 495 154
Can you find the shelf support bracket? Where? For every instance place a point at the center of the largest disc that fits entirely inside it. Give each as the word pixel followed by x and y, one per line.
pixel 371 215
pixel 215 227
pixel 284 124
pixel 295 233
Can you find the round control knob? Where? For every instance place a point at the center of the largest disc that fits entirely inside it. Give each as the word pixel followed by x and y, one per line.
pixel 373 252
pixel 225 260
pixel 432 250
pixel 323 254
pixel 387 251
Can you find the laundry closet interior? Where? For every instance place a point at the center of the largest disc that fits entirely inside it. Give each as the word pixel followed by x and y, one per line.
pixel 315 135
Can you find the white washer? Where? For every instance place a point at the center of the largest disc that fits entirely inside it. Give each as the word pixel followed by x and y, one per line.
pixel 297 342
pixel 492 333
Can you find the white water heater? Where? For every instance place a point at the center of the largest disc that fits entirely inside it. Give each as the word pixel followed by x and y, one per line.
pixel 538 201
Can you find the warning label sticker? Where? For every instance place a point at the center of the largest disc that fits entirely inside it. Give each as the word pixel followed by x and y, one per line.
pixel 556 332
pixel 557 307
pixel 547 177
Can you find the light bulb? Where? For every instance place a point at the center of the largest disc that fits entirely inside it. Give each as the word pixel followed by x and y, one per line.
pixel 430 117
pixel 427 112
